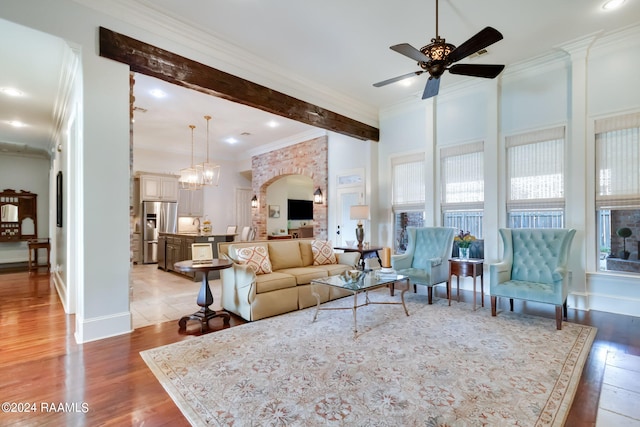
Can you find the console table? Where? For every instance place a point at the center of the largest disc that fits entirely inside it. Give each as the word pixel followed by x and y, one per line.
pixel 363 252
pixel 205 298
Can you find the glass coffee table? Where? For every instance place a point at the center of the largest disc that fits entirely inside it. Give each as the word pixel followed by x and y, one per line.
pixel 368 283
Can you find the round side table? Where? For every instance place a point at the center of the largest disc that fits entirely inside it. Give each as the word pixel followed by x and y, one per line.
pixel 205 298
pixel 472 267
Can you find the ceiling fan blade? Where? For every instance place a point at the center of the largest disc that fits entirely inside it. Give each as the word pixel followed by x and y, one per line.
pixel 477 70
pixel 407 50
pixel 484 38
pixel 432 88
pixel 397 79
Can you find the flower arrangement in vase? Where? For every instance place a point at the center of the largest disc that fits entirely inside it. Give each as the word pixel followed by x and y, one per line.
pixel 464 240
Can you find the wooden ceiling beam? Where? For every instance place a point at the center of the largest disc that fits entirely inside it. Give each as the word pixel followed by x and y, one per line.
pixel 156 62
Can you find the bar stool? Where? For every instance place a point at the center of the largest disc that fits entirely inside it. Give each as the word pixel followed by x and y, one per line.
pixel 34 245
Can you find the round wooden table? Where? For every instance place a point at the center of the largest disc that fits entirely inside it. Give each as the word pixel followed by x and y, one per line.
pixel 205 298
pixel 472 267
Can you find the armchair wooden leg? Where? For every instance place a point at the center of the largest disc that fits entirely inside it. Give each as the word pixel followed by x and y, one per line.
pixel 511 304
pixel 415 288
pixel 558 317
pixel 430 294
pixel 493 305
pixel 564 307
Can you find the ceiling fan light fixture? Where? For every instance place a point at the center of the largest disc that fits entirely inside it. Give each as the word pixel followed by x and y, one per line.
pixel 438 49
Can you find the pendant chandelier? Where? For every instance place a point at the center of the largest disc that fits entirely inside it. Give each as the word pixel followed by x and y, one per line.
pixel 189 176
pixel 208 173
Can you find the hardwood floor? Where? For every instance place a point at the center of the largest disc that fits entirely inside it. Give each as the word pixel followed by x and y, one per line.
pixel 107 383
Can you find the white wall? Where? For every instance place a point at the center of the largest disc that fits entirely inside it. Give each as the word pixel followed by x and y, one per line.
pixel 99 168
pixel 347 154
pixel 543 93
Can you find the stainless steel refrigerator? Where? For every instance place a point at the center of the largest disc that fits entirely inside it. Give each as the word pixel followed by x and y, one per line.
pixel 157 217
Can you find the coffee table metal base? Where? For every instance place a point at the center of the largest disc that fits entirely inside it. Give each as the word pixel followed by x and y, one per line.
pixel 355 306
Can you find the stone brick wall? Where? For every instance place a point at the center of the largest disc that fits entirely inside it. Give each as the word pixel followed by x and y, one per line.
pixel 310 159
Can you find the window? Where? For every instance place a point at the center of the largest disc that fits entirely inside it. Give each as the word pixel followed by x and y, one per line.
pixel 618 191
pixel 408 196
pixel 535 179
pixel 462 193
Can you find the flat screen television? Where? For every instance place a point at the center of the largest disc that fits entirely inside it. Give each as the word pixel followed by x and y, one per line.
pixel 299 209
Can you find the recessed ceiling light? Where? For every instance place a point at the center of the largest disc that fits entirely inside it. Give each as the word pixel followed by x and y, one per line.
pixel 406 82
pixel 273 124
pixel 157 93
pixel 231 140
pixel 612 4
pixel 16 123
pixel 11 91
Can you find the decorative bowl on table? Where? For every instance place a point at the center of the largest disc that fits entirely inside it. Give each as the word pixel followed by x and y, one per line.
pixel 350 243
pixel 352 277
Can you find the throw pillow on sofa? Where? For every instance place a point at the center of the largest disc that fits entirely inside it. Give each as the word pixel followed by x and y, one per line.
pixel 323 252
pixel 256 257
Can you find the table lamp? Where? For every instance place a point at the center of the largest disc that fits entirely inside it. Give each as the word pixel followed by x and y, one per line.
pixel 359 212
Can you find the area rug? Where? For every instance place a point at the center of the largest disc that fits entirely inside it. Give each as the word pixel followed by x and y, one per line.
pixel 439 366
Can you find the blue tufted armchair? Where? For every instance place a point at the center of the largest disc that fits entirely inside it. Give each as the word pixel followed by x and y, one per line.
pixel 425 260
pixel 534 268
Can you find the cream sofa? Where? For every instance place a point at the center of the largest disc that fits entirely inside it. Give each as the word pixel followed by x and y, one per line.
pixel 287 288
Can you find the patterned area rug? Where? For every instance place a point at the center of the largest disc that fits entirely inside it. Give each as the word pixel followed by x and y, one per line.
pixel 440 366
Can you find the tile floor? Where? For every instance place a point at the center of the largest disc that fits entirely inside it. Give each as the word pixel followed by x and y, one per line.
pixel 158 296
pixel 620 392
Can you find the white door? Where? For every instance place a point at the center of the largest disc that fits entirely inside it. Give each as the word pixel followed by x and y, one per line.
pixel 348 197
pixel 243 207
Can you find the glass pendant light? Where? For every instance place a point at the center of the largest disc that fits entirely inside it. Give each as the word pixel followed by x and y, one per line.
pixel 189 176
pixel 208 173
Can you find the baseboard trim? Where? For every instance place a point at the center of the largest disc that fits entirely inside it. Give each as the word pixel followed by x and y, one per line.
pixel 98 328
pixel 61 289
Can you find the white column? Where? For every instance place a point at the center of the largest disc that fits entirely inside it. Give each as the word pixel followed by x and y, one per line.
pixel 578 213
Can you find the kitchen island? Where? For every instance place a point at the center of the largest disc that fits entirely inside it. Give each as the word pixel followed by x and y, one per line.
pixel 176 247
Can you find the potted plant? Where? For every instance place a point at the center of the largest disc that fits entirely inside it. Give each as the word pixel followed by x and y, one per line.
pixel 464 240
pixel 624 232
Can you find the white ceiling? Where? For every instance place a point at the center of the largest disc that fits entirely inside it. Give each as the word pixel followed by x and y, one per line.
pixel 335 47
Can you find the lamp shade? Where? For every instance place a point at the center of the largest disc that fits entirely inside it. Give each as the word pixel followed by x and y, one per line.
pixel 359 212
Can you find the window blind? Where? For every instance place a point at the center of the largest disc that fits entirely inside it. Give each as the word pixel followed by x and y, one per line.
pixel 408 174
pixel 462 177
pixel 618 162
pixel 535 170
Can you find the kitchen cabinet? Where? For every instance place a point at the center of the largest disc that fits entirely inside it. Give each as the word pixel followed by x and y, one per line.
pixel 173 252
pixel 162 252
pixel 191 203
pixel 136 248
pixel 178 248
pixel 186 254
pixel 162 188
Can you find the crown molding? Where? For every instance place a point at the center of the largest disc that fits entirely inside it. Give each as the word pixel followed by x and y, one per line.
pixel 619 39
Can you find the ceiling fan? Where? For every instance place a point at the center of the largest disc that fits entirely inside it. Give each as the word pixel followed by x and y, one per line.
pixel 437 57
